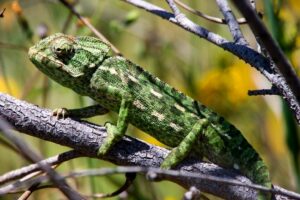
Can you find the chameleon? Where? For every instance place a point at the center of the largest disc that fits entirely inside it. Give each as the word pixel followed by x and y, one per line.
pixel 87 65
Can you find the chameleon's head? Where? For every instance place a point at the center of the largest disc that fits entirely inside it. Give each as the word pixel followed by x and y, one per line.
pixel 67 59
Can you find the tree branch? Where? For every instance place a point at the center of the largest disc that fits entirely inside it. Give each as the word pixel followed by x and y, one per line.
pixel 32 156
pixel 58 159
pixel 233 25
pixel 255 59
pixel 90 26
pixel 207 17
pixel 274 50
pixel 85 138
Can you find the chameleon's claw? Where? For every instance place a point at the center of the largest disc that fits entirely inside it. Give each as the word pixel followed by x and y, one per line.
pixel 60 113
pixel 106 124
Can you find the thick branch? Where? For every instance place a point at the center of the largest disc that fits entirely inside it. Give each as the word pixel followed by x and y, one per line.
pixel 86 138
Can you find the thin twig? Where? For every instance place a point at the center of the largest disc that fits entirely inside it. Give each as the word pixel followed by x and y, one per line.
pixel 162 174
pixel 2 13
pixel 174 8
pixel 33 157
pixel 90 26
pixel 28 192
pixel 233 25
pixel 67 22
pixel 274 50
pixel 55 160
pixel 35 189
pixel 205 16
pixel 13 46
pixel 129 180
pixel 272 91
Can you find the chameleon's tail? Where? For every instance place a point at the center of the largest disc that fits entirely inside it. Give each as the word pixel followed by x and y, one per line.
pixel 258 172
pixel 227 147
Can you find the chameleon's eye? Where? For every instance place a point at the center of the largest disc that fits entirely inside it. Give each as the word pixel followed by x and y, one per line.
pixel 58 50
pixel 63 50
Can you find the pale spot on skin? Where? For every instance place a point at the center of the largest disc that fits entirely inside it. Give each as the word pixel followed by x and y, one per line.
pixel 158 115
pixel 92 65
pixel 236 166
pixel 175 126
pixel 157 94
pixel 109 69
pixel 227 136
pixel 123 79
pixel 133 79
pixel 194 115
pixel 178 107
pixel 103 68
pixel 113 71
pixel 139 105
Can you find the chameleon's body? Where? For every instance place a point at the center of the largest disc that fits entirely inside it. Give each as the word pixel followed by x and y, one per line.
pixel 85 65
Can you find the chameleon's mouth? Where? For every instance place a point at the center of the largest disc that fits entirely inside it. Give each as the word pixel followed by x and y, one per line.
pixel 32 52
pixel 37 56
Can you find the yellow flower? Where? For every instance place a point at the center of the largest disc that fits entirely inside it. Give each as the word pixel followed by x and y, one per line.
pixel 295 5
pixel 10 87
pixel 170 198
pixel 223 88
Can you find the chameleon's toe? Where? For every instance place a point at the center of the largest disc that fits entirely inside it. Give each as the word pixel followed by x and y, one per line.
pixel 60 113
pixel 102 150
pixel 110 128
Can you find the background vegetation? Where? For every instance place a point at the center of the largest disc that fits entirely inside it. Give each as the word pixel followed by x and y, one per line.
pixel 194 66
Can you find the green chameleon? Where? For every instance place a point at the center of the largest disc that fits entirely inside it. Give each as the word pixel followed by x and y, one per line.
pixel 86 65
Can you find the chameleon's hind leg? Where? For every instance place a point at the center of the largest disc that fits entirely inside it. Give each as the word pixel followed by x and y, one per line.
pixel 182 150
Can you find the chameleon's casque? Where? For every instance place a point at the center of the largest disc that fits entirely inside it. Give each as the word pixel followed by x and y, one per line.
pixel 85 65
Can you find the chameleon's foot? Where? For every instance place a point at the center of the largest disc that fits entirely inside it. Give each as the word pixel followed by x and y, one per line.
pixel 60 113
pixel 168 163
pixel 108 142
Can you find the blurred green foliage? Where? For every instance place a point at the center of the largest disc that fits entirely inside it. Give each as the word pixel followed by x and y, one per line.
pixel 194 66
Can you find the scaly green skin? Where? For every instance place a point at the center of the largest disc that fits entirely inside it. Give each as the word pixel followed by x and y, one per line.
pixel 85 65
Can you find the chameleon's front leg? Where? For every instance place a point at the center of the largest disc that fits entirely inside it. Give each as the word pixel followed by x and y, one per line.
pixel 116 132
pixel 182 150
